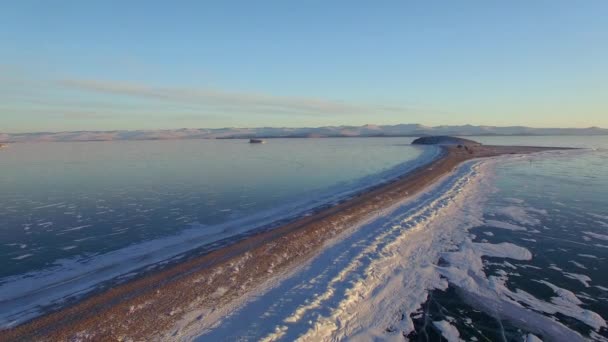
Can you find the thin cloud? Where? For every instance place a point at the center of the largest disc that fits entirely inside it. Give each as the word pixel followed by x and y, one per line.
pixel 233 101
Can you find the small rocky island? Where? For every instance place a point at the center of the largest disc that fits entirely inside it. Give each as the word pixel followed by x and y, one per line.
pixel 444 140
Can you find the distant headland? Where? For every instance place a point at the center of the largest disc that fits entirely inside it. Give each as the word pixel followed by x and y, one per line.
pixel 444 140
pixel 401 130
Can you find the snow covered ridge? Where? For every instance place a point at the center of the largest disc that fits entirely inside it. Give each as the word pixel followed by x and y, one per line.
pixel 366 285
pixel 348 271
pixel 288 307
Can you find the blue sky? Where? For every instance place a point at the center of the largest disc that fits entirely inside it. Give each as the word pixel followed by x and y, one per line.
pixel 103 65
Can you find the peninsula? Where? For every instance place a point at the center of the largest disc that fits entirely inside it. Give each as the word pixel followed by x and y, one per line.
pixel 160 304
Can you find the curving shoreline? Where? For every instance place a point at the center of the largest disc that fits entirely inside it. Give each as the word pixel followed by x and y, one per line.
pixel 146 308
pixel 74 279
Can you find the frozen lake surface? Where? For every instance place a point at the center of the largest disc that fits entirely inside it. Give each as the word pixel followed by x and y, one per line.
pixel 73 215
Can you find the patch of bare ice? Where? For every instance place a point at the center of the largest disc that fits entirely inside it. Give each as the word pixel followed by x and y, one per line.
pixel 565 295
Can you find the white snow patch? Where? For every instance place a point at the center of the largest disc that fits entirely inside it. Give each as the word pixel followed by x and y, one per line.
pixel 564 295
pixel 554 267
pixel 466 272
pixel 448 331
pixel 77 228
pixel 597 236
pixel 588 256
pixel 577 264
pixel 530 266
pixel 580 277
pixel 601 223
pixel 503 250
pixel 23 256
pixel 603 217
pixel 504 225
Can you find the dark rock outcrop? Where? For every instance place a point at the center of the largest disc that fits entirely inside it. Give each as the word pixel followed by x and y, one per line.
pixel 444 140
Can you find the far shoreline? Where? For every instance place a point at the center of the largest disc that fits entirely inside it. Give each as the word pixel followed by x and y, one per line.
pixel 6 142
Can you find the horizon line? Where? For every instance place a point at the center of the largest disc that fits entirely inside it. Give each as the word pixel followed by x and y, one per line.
pixel 294 127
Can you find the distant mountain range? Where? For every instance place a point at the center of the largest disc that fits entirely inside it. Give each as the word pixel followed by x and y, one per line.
pixel 403 130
